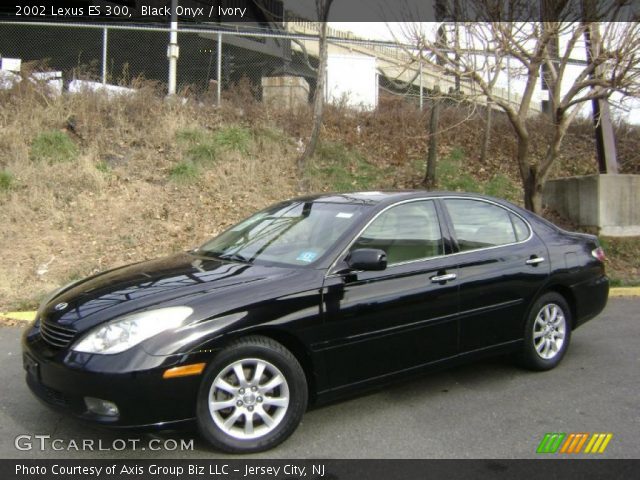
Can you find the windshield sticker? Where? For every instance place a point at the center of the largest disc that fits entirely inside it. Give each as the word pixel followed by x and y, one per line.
pixel 344 215
pixel 307 257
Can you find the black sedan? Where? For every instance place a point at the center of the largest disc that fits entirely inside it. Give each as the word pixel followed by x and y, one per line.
pixel 307 301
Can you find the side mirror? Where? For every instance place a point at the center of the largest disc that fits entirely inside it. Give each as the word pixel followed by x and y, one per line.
pixel 367 259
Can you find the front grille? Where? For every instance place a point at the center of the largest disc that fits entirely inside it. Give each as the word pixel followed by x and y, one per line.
pixel 55 335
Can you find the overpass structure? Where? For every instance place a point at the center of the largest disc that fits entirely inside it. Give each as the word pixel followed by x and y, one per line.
pixel 396 65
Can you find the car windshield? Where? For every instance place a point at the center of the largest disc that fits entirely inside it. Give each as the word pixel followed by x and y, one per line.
pixel 293 233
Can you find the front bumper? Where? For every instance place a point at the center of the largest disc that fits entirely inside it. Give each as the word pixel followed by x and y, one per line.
pixel 132 380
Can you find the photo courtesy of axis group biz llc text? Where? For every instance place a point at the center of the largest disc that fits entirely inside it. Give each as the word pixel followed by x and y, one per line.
pixel 175 470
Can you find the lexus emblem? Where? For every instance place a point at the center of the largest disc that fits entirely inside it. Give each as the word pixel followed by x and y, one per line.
pixel 61 306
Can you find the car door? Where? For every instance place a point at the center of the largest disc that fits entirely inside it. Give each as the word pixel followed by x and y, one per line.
pixel 502 265
pixel 381 322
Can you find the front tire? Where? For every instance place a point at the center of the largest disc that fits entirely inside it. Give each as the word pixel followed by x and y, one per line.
pixel 547 333
pixel 252 396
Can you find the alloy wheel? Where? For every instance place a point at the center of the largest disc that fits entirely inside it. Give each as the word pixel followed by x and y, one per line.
pixel 549 330
pixel 249 398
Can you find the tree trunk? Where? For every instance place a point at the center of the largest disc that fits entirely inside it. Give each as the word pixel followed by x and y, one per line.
pixel 318 102
pixel 430 180
pixel 533 192
pixel 487 134
pixel 533 198
pixel 532 180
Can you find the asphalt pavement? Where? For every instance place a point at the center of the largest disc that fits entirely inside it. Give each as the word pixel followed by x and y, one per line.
pixel 491 409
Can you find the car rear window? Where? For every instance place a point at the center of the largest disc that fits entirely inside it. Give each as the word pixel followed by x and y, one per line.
pixel 479 224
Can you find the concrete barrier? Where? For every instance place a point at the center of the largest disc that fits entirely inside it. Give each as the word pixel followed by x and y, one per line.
pixel 606 202
pixel 285 91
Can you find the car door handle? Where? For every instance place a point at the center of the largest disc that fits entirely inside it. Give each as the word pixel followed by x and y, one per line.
pixel 443 278
pixel 534 260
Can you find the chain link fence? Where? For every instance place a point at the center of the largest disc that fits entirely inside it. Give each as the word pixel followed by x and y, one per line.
pixel 117 55
pixel 213 62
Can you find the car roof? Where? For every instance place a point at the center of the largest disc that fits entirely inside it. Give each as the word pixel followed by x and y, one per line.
pixel 384 197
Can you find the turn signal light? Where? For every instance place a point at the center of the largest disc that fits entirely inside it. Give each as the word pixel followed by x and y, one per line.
pixel 184 370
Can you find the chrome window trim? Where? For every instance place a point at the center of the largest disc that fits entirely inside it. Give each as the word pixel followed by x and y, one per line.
pixel 447 197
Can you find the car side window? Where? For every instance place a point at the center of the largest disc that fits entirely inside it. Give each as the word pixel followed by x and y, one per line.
pixel 480 224
pixel 407 232
pixel 521 229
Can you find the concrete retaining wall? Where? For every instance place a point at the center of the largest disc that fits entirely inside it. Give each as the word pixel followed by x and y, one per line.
pixel 610 203
pixel 286 92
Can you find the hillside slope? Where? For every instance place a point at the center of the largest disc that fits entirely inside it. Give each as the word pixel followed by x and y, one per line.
pixel 88 183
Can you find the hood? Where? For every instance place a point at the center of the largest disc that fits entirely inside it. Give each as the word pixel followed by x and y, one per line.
pixel 142 285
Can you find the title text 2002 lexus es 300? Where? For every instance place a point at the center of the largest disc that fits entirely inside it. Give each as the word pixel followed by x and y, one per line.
pixel 309 300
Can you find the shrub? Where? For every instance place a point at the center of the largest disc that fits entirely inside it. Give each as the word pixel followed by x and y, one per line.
pixel 201 148
pixel 204 147
pixel 233 138
pixel 184 172
pixel 502 186
pixel 53 146
pixel 342 169
pixel 203 153
pixel 191 135
pixel 103 167
pixel 451 174
pixel 6 180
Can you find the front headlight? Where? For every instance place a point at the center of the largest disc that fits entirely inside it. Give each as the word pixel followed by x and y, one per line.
pixel 125 332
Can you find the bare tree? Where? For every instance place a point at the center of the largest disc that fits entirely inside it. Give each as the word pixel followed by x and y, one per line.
pixel 322 10
pixel 430 179
pixel 420 47
pixel 613 65
pixel 486 137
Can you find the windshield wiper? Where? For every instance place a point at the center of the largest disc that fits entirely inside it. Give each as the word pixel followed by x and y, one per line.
pixel 233 257
pixel 223 256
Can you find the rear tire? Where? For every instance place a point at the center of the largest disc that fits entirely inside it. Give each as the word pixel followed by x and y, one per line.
pixel 547 333
pixel 252 396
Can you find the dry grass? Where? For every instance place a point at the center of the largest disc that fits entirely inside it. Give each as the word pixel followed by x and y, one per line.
pixel 117 202
pixel 151 176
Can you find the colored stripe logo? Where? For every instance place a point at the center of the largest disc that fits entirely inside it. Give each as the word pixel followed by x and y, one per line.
pixel 574 442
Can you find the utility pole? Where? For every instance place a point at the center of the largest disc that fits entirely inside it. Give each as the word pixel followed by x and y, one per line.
pixel 173 51
pixel 547 21
pixel 605 137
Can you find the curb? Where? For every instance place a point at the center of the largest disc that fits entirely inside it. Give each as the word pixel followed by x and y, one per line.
pixel 624 292
pixel 613 292
pixel 21 316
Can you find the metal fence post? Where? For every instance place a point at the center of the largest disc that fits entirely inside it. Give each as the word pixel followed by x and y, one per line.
pixel 421 94
pixel 173 50
pixel 105 40
pixel 219 70
pixel 509 80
